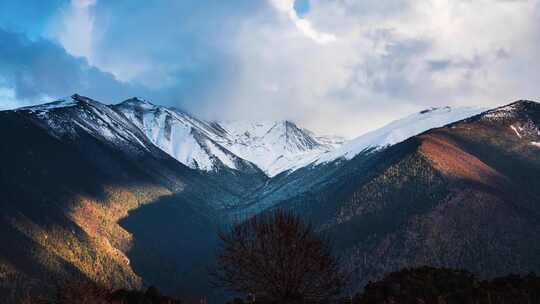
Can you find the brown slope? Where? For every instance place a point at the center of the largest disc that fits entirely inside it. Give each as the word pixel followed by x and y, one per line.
pixel 473 226
pixel 456 164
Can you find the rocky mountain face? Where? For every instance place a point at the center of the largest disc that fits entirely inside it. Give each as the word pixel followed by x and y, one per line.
pixel 134 193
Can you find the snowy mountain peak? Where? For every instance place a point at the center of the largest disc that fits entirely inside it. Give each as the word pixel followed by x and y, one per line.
pixel 66 102
pixel 291 137
pixel 400 130
pixel 61 103
pixel 191 141
pixel 138 102
pixel 79 116
pixel 274 147
pixel 271 146
pixel 82 99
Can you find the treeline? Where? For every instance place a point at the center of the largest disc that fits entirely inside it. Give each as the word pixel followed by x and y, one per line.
pixel 277 258
pixel 424 285
pixel 90 293
pixel 428 285
pixel 448 286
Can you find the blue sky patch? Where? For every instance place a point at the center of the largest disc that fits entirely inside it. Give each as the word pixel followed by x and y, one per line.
pixel 301 7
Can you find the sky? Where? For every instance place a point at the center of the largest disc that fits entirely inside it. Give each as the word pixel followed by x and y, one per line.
pixel 333 66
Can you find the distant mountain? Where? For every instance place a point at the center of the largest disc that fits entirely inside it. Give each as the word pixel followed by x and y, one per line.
pixel 273 147
pixel 276 146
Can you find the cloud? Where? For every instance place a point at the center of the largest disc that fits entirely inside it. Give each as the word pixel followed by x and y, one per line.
pixel 74 28
pixel 303 25
pixel 178 50
pixel 338 66
pixel 9 101
pixel 385 58
pixel 31 71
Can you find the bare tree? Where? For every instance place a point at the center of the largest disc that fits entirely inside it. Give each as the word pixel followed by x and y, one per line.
pixel 280 258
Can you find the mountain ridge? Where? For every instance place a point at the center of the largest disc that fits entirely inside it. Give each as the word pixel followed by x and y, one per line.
pixel 273 147
pixel 195 142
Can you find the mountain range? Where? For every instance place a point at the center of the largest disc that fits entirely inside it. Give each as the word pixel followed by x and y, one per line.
pixel 273 147
pixel 132 194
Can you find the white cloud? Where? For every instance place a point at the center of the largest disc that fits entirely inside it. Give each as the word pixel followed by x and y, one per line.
pixel 303 25
pixel 383 65
pixel 346 66
pixel 9 100
pixel 74 28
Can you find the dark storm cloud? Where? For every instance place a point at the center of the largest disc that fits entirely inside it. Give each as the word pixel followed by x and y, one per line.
pixel 42 68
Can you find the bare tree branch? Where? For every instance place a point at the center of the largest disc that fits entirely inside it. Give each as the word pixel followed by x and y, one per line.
pixel 278 257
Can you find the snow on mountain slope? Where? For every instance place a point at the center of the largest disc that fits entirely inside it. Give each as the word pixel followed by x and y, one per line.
pixel 398 131
pixel 333 141
pixel 77 116
pixel 273 147
pixel 191 141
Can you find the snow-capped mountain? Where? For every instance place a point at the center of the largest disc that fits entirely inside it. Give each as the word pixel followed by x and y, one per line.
pixel 270 146
pixel 399 130
pixel 77 116
pixel 273 147
pixel 191 141
pixel 84 123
